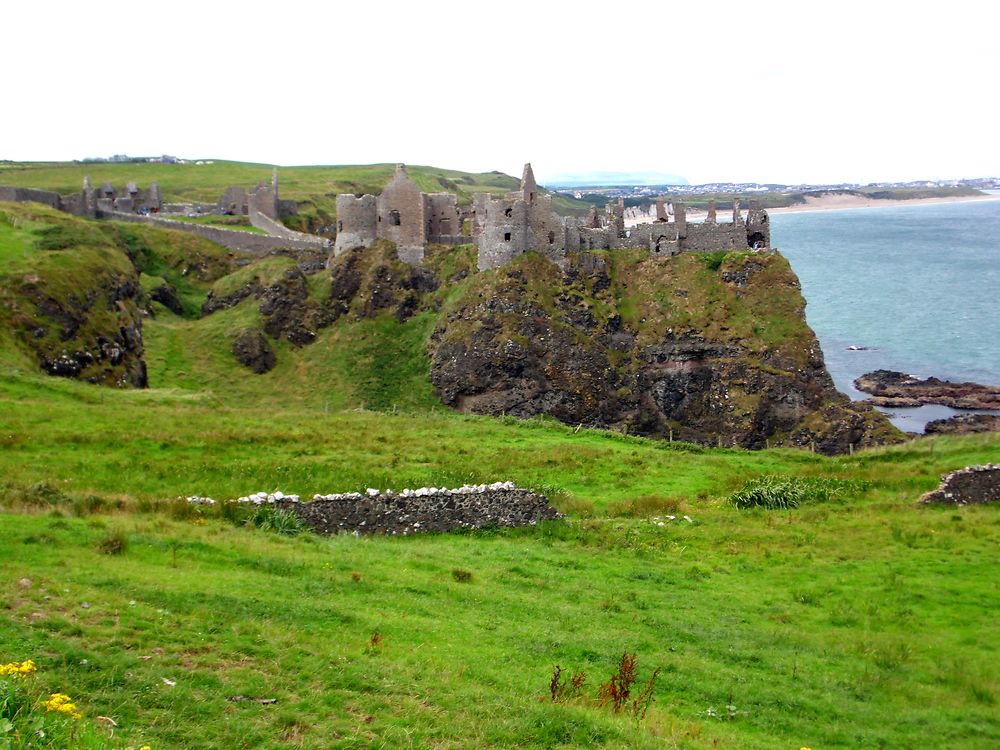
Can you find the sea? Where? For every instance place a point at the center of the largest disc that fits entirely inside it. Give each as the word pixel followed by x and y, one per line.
pixel 914 288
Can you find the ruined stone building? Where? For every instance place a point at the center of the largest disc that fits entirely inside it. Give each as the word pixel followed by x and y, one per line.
pixel 263 198
pixel 401 214
pixel 523 220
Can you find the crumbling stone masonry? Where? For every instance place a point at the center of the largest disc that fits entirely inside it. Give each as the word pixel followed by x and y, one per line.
pixel 507 226
pixel 401 214
pixel 522 222
pixel 972 485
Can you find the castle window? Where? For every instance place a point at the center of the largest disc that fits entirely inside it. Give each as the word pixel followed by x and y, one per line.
pixel 552 238
pixel 506 236
pixel 394 218
pixel 507 212
pixel 340 226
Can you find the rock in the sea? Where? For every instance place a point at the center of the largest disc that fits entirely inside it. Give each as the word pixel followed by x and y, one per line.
pixel 964 424
pixel 899 389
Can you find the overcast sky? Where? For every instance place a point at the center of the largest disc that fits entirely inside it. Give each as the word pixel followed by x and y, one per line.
pixel 756 91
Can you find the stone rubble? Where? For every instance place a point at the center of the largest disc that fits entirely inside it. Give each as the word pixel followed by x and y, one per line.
pixel 409 511
pixel 972 485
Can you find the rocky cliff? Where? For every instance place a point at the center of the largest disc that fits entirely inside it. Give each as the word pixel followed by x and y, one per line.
pixel 705 347
pixel 73 300
pixel 710 348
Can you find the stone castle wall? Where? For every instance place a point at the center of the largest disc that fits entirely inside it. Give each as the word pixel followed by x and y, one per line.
pixel 356 221
pixel 23 195
pixel 246 242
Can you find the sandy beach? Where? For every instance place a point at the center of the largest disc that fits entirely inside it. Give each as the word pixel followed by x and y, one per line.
pixel 838 201
pixel 826 202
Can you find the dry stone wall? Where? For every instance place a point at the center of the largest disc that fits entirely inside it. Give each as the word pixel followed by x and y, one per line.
pixel 411 511
pixel 972 485
pixel 423 510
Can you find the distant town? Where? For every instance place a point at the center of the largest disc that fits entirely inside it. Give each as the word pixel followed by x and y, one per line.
pixel 743 188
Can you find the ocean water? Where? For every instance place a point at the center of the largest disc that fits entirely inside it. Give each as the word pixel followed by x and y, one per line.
pixel 919 285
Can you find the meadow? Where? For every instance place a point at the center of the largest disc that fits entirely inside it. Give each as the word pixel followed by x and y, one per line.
pixel 861 620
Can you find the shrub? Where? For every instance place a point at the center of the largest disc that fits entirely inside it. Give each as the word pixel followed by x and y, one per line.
pixel 713 261
pixel 616 692
pixel 115 543
pixel 86 506
pixel 269 518
pixel 775 492
pixel 561 689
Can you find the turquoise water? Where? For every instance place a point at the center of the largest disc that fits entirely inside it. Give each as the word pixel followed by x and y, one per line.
pixel 917 284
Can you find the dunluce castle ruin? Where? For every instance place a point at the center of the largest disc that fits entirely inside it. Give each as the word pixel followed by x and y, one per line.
pixel 501 227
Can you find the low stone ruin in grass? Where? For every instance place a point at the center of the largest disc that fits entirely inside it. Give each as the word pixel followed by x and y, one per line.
pixel 973 485
pixel 410 511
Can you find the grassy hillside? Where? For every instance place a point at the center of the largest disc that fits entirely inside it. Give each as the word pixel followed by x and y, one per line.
pixel 856 620
pixel 859 621
pixel 314 188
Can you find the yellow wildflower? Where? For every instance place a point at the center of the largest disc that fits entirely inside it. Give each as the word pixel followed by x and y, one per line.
pixel 61 703
pixel 21 670
pixel 145 747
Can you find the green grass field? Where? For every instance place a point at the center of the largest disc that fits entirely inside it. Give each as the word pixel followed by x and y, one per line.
pixel 864 621
pixel 857 620
pixel 315 187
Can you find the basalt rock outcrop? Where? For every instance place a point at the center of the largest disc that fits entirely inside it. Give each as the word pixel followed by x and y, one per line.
pixel 253 350
pixel 712 349
pixel 964 424
pixel 83 324
pixel 897 389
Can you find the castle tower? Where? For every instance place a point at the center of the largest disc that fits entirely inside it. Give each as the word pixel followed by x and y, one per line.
pixel 88 198
pixel 680 219
pixel 529 188
pixel 401 218
pixel 758 227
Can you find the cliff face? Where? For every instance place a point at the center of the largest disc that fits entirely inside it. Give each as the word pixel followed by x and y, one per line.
pixel 710 348
pixel 73 293
pixel 72 299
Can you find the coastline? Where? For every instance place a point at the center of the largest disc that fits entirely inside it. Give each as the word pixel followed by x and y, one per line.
pixel 826 203
pixel 839 202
